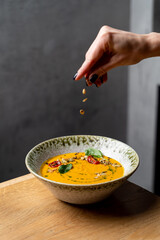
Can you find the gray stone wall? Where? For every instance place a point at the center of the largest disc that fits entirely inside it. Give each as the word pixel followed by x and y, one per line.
pixel 42 43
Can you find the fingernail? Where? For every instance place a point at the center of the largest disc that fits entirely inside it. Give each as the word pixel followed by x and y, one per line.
pixel 74 78
pixel 101 78
pixel 93 78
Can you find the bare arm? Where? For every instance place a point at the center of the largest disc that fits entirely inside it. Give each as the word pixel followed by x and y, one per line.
pixel 113 48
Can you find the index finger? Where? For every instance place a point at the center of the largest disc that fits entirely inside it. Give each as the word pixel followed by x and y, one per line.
pixel 86 66
pixel 94 53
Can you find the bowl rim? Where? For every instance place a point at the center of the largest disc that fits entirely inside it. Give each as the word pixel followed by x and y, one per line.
pixel 80 185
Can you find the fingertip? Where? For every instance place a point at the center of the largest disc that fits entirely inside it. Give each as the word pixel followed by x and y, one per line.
pixel 101 80
pixel 78 76
pixel 98 82
pixel 75 76
pixel 88 83
pixel 93 78
pixel 105 77
pixel 84 69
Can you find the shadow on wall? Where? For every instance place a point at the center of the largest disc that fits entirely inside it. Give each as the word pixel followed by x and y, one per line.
pixel 42 44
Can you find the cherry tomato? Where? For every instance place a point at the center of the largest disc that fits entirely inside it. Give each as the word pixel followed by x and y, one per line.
pixel 54 164
pixel 91 159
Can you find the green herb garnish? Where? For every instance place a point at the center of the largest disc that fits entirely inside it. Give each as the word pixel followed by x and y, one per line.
pixel 65 168
pixel 93 152
pixel 110 169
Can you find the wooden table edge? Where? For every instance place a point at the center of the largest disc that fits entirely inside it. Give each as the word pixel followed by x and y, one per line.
pixel 16 180
pixel 31 176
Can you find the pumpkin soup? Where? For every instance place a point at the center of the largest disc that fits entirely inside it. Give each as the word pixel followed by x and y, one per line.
pixel 87 167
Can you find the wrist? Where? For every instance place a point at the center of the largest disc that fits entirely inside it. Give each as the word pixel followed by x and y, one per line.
pixel 152 44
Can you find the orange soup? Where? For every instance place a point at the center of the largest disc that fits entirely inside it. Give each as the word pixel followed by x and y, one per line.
pixel 79 168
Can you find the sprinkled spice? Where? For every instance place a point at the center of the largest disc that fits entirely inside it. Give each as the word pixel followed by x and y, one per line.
pixel 84 91
pixel 82 112
pixel 85 99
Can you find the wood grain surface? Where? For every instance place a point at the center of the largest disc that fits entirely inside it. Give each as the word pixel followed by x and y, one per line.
pixel 29 211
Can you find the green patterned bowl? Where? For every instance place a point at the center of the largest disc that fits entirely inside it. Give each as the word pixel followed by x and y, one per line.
pixel 82 194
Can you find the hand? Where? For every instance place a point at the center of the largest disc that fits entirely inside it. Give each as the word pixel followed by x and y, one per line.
pixel 110 49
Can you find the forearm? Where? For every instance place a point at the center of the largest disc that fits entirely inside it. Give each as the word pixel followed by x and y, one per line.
pixel 152 46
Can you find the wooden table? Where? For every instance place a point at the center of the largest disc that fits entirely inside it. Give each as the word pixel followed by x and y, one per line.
pixel 28 210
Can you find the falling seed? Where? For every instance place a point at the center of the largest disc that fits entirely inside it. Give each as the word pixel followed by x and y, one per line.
pixel 84 91
pixel 84 100
pixel 82 112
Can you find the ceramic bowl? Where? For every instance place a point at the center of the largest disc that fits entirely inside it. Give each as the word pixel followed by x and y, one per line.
pixel 82 194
